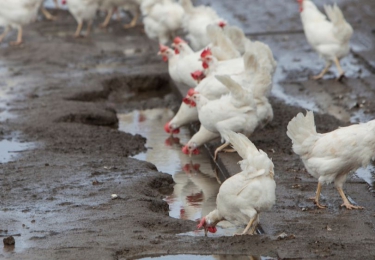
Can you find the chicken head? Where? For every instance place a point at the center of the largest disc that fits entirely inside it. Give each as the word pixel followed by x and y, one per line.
pixel 190 149
pixel 208 227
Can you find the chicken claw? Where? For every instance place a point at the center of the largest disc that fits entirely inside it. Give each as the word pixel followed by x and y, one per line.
pixel 319 205
pixel 351 206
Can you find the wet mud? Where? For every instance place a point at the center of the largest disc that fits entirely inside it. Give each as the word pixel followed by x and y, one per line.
pixel 63 100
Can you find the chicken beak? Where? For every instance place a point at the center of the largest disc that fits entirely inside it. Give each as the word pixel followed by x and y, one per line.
pixel 173 45
pixel 200 59
pixel 159 53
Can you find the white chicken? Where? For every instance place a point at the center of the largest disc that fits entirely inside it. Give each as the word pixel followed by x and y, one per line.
pixel 235 111
pixel 15 14
pixel 195 22
pixel 330 157
pixel 245 195
pixel 213 89
pixel 329 38
pixel 82 10
pixel 255 78
pixel 180 66
pixel 111 5
pixel 162 18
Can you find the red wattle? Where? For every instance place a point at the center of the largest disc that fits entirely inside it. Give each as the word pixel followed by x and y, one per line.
pixel 166 128
pixel 196 152
pixel 176 51
pixel 187 101
pixel 63 2
pixel 205 65
pixel 165 58
pixel 193 104
pixel 212 229
pixel 176 131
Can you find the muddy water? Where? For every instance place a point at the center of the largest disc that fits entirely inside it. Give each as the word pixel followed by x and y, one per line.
pixel 208 257
pixel 10 149
pixel 196 185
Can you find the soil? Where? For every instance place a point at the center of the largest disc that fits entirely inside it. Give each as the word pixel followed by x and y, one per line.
pixel 63 94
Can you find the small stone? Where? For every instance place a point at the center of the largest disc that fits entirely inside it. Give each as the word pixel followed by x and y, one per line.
pixel 328 228
pixel 114 196
pixel 9 241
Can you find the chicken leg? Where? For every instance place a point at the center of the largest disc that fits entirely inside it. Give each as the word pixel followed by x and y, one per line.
pixel 341 71
pixel 133 22
pixel 107 19
pixel 221 147
pixel 89 27
pixel 346 203
pixel 2 36
pixel 317 196
pixel 19 37
pixel 79 29
pixel 47 14
pixel 324 71
pixel 248 226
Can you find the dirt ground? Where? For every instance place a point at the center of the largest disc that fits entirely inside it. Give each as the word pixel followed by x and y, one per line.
pixel 62 94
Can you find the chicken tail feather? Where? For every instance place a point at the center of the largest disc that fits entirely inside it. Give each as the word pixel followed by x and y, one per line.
pixel 299 129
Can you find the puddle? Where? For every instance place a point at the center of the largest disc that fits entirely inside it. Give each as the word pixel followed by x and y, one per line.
pixel 196 185
pixel 367 174
pixel 9 150
pixel 208 257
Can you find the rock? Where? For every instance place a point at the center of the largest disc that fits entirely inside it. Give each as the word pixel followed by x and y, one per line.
pixel 9 241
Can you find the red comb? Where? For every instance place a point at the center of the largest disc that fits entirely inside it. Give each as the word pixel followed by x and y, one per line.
pixel 63 2
pixel 196 74
pixel 222 24
pixel 206 52
pixel 163 48
pixel 185 150
pixel 191 92
pixel 178 40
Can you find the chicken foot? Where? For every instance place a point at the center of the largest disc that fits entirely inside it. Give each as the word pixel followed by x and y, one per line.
pixel 221 147
pixel 324 71
pixel 2 36
pixel 133 22
pixel 346 203
pixel 19 37
pixel 317 196
pixel 339 68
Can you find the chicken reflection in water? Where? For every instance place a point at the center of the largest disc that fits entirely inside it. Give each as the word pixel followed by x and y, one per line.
pixel 196 185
